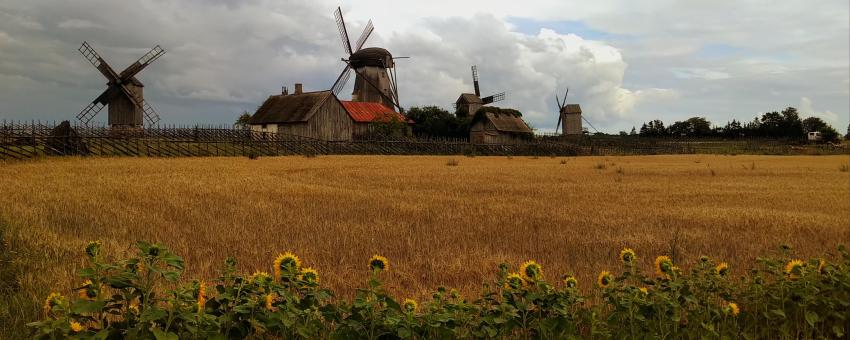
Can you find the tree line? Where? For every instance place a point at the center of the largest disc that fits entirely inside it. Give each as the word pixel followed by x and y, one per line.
pixel 784 124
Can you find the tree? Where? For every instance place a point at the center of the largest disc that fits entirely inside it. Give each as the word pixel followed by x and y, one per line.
pixel 243 121
pixel 813 124
pixel 792 126
pixel 634 132
pixel 434 121
pixel 654 128
pixel 847 136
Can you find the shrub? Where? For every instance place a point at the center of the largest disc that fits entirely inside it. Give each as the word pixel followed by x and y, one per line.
pixel 452 162
pixel 781 298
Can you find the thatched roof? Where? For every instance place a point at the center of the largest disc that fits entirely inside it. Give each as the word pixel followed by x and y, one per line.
pixel 291 108
pixel 571 108
pixel 504 120
pixel 468 98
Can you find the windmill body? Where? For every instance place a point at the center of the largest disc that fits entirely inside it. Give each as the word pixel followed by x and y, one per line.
pixel 374 69
pixel 569 117
pixel 469 103
pixel 372 82
pixel 124 93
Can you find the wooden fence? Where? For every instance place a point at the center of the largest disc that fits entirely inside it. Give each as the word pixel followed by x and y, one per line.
pixel 24 140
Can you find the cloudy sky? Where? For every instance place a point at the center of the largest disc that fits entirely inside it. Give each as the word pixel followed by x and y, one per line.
pixel 624 61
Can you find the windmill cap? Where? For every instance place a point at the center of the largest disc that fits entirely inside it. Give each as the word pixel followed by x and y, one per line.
pixel 372 56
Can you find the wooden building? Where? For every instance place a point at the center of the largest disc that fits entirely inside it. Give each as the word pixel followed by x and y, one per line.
pixel 467 104
pixel 571 119
pixel 369 117
pixel 318 115
pixel 498 126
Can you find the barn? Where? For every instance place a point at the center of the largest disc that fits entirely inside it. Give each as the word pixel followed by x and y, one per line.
pixel 492 125
pixel 375 118
pixel 318 115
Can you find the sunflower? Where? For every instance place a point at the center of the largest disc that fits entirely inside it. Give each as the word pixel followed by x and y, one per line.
pixel 722 269
pixel 604 279
pixel 628 256
pixel 794 269
pixel 454 294
pixel 378 262
pixel 258 277
pixel 269 301
pixel 663 265
pixel 288 262
pixel 732 308
pixel 410 305
pixel 93 249
pixel 134 307
pixel 531 270
pixel 52 300
pixel 514 281
pixel 570 281
pixel 821 266
pixel 76 327
pixel 202 296
pixel 644 290
pixel 87 291
pixel 310 275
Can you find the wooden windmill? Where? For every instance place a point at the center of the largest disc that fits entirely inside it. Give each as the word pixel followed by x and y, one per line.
pixel 375 79
pixel 569 117
pixel 469 103
pixel 123 95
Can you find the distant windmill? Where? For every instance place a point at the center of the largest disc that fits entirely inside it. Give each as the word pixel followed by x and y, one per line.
pixel 375 79
pixel 123 95
pixel 570 116
pixel 469 103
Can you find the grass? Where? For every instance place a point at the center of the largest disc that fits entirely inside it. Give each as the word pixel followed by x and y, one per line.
pixel 438 225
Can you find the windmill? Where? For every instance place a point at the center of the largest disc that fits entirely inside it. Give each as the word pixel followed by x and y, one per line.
pixel 375 76
pixel 469 103
pixel 123 95
pixel 570 116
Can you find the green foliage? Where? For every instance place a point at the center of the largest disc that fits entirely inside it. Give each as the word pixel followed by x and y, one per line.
pixel 140 297
pixel 435 122
pixel 243 121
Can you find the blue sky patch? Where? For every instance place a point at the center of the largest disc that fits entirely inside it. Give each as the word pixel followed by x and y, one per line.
pixel 532 27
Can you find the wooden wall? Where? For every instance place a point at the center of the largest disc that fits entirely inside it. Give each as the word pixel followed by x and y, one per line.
pixel 483 132
pixel 330 122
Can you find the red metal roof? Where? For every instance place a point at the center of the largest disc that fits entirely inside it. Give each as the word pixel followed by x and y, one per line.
pixel 366 112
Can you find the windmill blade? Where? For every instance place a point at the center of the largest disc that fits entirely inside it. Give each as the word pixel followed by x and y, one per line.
pixel 560 105
pixel 565 97
pixel 140 64
pixel 363 36
pixel 150 115
pixel 342 79
pixel 343 33
pixel 94 58
pixel 588 123
pixel 494 98
pixel 559 123
pixel 88 113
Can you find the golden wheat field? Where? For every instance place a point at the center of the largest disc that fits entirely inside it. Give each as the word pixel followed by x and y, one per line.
pixel 439 224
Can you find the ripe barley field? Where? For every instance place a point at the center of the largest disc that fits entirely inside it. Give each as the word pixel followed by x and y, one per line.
pixel 440 220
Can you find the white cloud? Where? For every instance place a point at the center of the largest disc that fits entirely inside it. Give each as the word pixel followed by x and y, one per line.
pixel 700 73
pixel 807 109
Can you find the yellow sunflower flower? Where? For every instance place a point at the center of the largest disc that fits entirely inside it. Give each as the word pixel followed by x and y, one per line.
pixel 732 308
pixel 570 281
pixel 663 265
pixel 378 262
pixel 76 327
pixel 258 277
pixel 644 290
pixel 604 280
pixel 87 291
pixel 514 281
pixel 52 300
pixel 531 271
pixel 310 275
pixel 93 249
pixel 134 307
pixel 628 256
pixel 821 266
pixel 202 296
pixel 722 269
pixel 410 305
pixel 794 269
pixel 286 261
pixel 269 301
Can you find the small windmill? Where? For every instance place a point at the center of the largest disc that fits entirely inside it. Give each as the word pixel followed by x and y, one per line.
pixel 123 95
pixel 570 116
pixel 375 79
pixel 469 103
